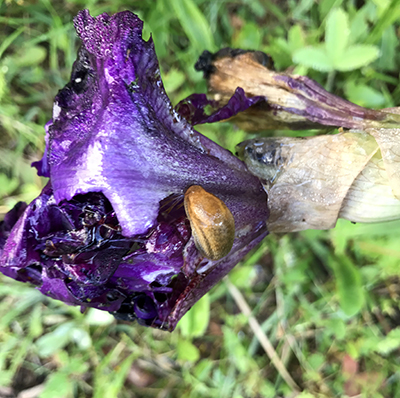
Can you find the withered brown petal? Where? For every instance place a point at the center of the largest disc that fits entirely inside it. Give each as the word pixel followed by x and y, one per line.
pixel 291 101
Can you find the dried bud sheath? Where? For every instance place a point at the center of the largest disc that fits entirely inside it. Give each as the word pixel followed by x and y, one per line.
pixel 311 182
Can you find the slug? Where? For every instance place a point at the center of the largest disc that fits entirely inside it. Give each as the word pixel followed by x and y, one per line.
pixel 212 223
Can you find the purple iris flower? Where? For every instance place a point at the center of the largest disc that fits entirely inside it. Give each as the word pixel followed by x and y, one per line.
pixel 110 230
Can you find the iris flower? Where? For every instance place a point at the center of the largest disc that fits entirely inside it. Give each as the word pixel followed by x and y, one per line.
pixel 112 228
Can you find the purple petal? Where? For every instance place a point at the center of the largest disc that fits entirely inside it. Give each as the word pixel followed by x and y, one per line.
pixel 114 130
pixel 194 108
pixel 109 230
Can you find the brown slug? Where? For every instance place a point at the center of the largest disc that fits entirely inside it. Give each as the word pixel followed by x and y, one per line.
pixel 212 223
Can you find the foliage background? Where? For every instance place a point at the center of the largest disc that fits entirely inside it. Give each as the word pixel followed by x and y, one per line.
pixel 327 300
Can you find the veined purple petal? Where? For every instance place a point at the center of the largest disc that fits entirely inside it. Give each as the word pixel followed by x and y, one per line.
pixel 109 230
pixel 114 130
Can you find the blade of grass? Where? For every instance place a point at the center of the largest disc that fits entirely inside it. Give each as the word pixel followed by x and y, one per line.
pixel 262 337
pixel 8 40
pixel 391 14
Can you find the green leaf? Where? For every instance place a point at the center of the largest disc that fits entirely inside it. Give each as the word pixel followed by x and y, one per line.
pixel 195 322
pixel 7 185
pixel 313 57
pixel 281 53
pixel 302 9
pixel 316 360
pixel 325 6
pixel 338 238
pixel 364 95
pixel 6 377
pixel 29 56
pixel 57 385
pixel 337 34
pixel 390 343
pixel 9 39
pixel 389 44
pixel 382 6
pixel 73 364
pixel 81 337
pixel 96 317
pixel 336 327
pixel 35 322
pixel 3 84
pixel 248 37
pixel 203 369
pixel 256 7
pixel 173 80
pixel 194 24
pixel 117 378
pixel 235 349
pixel 348 284
pixel 59 338
pixel 267 389
pixel 389 16
pixel 357 56
pixel 305 394
pixel 241 276
pixel 296 38
pixel 358 27
pixel 187 351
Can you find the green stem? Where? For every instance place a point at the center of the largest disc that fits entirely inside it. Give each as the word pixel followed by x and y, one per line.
pixel 330 80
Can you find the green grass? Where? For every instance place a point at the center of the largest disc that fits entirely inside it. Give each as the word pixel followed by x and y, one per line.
pixel 327 301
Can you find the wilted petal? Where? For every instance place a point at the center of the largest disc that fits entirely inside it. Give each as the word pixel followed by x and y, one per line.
pixel 198 109
pixel 290 101
pixel 110 230
pixel 9 221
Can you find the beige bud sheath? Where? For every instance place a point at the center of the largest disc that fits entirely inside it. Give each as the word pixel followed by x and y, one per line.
pixel 313 181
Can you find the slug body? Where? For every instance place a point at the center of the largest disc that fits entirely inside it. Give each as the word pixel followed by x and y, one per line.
pixel 212 223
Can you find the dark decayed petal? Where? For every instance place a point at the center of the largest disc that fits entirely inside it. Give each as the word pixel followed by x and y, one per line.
pixel 110 230
pixel 9 221
pixel 198 109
